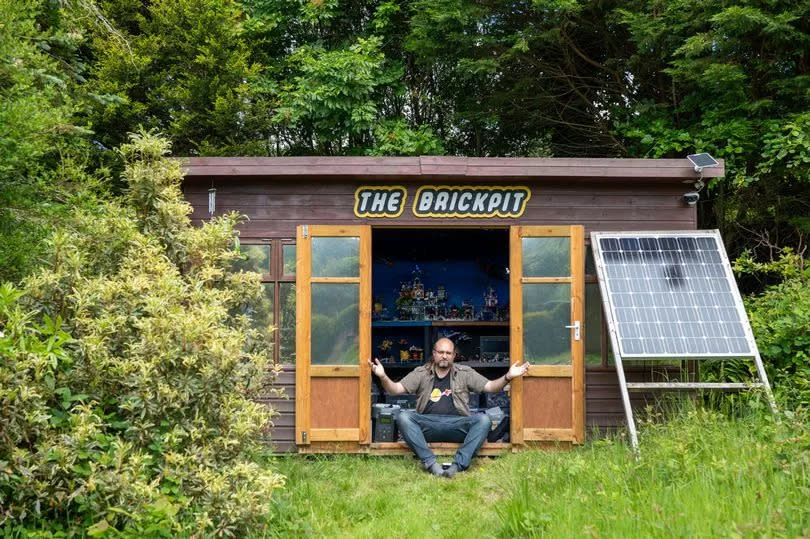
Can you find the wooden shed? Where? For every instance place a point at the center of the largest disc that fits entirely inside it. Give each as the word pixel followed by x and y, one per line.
pixel 377 257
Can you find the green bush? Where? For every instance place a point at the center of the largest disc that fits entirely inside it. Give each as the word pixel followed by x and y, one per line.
pixel 780 319
pixel 126 398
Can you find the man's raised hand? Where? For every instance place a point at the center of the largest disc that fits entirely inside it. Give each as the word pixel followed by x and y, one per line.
pixel 518 370
pixel 377 368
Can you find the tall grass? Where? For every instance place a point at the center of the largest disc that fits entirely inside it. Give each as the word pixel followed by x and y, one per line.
pixel 700 474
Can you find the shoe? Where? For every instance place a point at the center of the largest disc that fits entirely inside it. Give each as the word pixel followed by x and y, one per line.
pixel 451 471
pixel 435 469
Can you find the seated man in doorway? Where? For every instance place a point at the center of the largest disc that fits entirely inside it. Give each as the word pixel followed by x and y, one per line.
pixel 442 414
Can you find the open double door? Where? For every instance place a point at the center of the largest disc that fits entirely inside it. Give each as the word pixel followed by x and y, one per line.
pixel 333 336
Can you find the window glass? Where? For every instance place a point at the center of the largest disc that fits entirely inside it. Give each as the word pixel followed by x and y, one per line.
pixel 288 250
pixel 546 312
pixel 546 257
pixel 261 312
pixel 286 322
pixel 254 258
pixel 593 324
pixel 335 257
pixel 335 315
pixel 590 265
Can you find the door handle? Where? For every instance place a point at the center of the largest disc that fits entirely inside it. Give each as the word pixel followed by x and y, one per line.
pixel 577 327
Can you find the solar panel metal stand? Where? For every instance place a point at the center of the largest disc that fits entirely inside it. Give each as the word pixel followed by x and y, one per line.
pixel 684 386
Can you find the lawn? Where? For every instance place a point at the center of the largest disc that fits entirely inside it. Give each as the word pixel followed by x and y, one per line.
pixel 702 474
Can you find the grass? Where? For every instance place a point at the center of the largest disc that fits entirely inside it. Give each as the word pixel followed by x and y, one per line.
pixel 702 474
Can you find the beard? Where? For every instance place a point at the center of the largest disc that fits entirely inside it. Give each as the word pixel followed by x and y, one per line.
pixel 443 363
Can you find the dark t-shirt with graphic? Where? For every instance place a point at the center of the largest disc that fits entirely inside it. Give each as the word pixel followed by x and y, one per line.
pixel 441 398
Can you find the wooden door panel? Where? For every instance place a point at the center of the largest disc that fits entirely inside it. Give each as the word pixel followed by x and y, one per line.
pixel 548 403
pixel 333 395
pixel 335 403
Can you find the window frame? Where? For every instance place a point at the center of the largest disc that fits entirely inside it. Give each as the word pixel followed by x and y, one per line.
pixel 274 275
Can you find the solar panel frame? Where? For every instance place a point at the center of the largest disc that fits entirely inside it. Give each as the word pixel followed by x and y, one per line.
pixel 610 297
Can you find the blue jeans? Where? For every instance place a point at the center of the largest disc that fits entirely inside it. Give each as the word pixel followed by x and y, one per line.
pixel 419 429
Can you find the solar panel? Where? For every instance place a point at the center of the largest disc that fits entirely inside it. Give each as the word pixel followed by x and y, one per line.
pixel 671 295
pixel 702 160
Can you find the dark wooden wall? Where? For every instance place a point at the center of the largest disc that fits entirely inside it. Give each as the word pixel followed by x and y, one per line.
pixel 275 207
pixel 281 437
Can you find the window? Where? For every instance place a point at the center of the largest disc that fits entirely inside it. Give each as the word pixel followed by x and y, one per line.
pixel 597 344
pixel 275 261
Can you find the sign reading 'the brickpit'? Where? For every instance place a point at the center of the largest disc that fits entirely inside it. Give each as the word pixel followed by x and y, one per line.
pixel 443 201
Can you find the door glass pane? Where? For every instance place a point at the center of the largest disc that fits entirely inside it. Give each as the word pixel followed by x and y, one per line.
pixel 335 327
pixel 286 322
pixel 335 257
pixel 546 257
pixel 289 259
pixel 254 258
pixel 546 312
pixel 593 324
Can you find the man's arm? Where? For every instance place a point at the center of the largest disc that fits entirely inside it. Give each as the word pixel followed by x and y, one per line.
pixel 390 387
pixel 493 386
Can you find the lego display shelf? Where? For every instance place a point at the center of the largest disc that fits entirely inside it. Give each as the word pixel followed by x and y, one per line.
pixel 437 323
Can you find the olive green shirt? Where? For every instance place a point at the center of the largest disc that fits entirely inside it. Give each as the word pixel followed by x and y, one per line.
pixel 463 380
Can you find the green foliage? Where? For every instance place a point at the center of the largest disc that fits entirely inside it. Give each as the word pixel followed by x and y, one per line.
pixel 332 92
pixel 730 79
pixel 699 474
pixel 131 399
pixel 786 149
pixel 184 68
pixel 780 319
pixel 42 145
pixel 494 79
pixel 396 138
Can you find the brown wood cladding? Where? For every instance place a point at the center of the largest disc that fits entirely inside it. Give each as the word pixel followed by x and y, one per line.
pixel 281 436
pixel 274 210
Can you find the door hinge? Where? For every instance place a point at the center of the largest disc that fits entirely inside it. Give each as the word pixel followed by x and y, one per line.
pixel 576 326
pixel 304 436
pixel 305 231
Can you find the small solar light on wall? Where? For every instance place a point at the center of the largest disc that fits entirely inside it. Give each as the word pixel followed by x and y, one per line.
pixel 212 200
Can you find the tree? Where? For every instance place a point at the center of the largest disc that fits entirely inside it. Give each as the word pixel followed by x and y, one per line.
pixel 184 68
pixel 43 145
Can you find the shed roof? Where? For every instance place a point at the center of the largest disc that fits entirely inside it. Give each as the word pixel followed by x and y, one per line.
pixel 432 167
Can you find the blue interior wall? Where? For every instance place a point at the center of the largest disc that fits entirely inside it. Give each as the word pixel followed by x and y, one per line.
pixel 465 262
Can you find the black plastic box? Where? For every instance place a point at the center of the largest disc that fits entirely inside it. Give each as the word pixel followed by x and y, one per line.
pixel 384 422
pixel 406 402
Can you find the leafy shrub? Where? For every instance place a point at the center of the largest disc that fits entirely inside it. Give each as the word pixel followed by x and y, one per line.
pixel 129 402
pixel 780 319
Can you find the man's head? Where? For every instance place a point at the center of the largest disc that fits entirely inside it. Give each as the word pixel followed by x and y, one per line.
pixel 444 352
